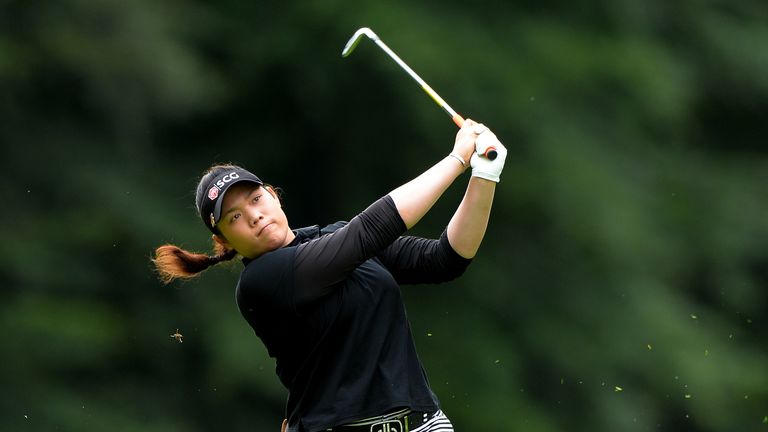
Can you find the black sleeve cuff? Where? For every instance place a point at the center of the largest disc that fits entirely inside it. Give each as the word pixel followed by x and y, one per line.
pixel 395 215
pixel 451 254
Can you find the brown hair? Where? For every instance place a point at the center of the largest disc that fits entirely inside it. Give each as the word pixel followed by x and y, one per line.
pixel 173 262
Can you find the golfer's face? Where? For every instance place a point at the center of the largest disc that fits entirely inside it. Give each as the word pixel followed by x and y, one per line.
pixel 252 221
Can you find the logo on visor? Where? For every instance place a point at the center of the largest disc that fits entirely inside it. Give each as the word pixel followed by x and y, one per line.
pixel 213 221
pixel 226 179
pixel 213 193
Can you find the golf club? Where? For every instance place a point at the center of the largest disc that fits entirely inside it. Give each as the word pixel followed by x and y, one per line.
pixel 490 152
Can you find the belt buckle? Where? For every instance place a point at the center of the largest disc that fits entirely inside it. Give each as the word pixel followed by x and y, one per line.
pixel 388 426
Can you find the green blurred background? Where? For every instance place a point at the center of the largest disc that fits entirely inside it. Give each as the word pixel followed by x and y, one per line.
pixel 623 285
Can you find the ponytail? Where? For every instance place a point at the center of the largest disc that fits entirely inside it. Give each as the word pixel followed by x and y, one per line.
pixel 172 262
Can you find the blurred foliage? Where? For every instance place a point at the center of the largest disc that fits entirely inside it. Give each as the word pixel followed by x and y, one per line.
pixel 624 281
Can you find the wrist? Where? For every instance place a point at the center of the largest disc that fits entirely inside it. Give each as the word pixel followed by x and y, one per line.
pixel 455 156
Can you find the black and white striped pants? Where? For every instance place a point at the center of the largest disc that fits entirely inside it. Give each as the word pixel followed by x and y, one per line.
pixel 434 422
pixel 438 423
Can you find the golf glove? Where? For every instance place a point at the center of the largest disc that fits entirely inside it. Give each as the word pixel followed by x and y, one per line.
pixel 482 166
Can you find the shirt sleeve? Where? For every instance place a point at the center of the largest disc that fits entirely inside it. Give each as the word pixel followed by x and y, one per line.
pixel 324 262
pixel 415 260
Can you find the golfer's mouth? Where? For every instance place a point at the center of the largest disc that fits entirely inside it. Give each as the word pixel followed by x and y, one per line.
pixel 263 228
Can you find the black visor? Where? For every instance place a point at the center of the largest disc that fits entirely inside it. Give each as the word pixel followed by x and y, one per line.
pixel 210 208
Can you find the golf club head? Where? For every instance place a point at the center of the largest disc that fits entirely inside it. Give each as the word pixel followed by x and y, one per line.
pixel 355 39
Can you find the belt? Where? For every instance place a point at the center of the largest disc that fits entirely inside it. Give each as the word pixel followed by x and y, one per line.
pixel 405 422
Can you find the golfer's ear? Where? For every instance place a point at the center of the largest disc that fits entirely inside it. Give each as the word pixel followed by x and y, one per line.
pixel 220 240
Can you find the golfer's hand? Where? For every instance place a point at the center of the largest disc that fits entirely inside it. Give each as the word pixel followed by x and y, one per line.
pixel 482 166
pixel 465 139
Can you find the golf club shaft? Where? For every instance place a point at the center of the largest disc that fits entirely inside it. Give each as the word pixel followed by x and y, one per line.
pixel 458 119
pixel 489 152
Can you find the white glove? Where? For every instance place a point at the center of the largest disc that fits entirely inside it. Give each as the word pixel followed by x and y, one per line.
pixel 482 166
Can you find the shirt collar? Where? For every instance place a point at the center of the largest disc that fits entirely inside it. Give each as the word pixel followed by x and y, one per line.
pixel 305 234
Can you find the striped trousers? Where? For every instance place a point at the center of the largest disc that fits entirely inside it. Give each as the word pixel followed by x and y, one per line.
pixel 438 423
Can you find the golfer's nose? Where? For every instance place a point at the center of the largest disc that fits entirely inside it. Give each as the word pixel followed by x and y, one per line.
pixel 255 216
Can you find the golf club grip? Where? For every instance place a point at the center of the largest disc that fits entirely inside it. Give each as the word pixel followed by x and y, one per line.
pixel 490 152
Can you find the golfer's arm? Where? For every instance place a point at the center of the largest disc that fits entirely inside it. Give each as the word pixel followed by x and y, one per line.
pixel 467 226
pixel 414 199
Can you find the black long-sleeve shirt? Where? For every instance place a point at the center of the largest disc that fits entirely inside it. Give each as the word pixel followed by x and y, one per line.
pixel 328 308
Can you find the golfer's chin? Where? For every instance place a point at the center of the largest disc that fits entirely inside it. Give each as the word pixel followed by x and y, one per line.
pixel 266 243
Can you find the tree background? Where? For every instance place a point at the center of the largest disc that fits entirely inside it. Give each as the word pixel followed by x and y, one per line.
pixel 623 285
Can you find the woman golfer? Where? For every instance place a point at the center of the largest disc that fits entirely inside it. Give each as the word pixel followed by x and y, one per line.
pixel 326 301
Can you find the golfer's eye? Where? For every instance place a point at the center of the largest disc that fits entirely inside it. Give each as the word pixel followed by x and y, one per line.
pixel 234 217
pixel 256 198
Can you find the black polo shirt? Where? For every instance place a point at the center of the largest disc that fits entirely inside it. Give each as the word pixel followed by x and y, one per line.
pixel 328 309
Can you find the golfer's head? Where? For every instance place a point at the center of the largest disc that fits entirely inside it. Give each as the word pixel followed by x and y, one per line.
pixel 241 211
